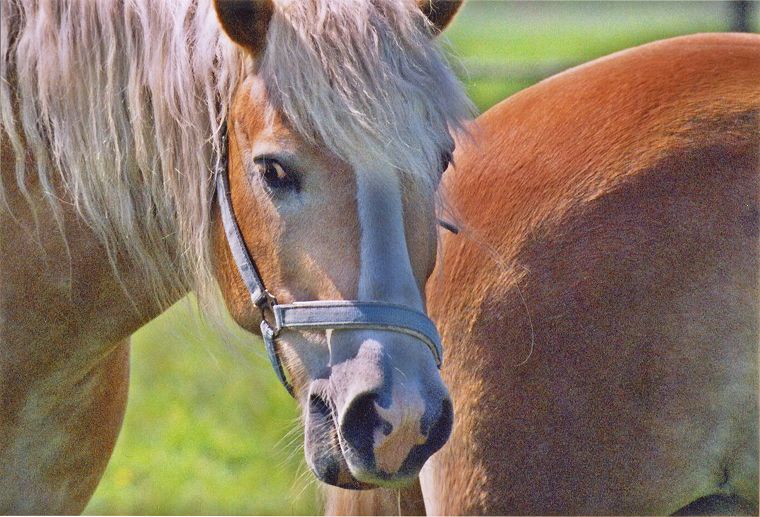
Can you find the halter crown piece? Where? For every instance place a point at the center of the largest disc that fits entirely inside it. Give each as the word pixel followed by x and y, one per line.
pixel 312 315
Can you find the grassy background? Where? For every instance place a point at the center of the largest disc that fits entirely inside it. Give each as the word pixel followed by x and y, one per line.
pixel 208 429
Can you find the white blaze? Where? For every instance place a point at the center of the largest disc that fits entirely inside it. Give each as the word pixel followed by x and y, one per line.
pixel 386 275
pixel 386 270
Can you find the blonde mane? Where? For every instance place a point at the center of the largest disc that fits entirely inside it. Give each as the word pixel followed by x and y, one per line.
pixel 120 105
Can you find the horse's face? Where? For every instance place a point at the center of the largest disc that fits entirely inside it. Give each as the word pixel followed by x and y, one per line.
pixel 324 226
pixel 322 230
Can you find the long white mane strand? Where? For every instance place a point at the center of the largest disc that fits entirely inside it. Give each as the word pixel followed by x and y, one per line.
pixel 367 79
pixel 119 103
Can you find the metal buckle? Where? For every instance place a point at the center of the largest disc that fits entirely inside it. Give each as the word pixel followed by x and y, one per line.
pixel 266 302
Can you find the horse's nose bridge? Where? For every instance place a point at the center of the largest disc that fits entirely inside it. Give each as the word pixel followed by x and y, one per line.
pixel 359 365
pixel 386 270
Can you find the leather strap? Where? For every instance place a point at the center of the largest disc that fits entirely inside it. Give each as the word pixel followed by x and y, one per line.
pixel 243 260
pixel 336 315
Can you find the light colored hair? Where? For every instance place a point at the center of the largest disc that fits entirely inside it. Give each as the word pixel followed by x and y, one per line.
pixel 120 103
pixel 366 79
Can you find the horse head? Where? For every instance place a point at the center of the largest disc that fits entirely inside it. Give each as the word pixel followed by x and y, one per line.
pixel 337 137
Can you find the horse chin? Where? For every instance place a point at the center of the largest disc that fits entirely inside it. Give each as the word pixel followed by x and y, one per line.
pixel 328 463
pixel 333 470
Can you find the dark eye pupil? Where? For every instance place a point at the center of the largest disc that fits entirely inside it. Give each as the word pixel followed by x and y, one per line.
pixel 276 177
pixel 273 173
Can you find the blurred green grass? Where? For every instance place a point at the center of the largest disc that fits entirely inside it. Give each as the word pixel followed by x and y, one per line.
pixel 526 36
pixel 208 428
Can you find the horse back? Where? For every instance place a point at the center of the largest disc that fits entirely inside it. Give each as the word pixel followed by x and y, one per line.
pixel 601 308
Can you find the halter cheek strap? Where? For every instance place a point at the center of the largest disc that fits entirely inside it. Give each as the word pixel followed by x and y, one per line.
pixel 313 315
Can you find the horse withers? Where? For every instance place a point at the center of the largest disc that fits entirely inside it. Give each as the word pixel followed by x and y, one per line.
pixel 601 304
pixel 325 125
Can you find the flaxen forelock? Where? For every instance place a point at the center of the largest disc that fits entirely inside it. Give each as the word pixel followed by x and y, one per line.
pixel 366 79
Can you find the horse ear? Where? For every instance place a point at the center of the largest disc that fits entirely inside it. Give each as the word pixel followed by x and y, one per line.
pixel 440 12
pixel 246 21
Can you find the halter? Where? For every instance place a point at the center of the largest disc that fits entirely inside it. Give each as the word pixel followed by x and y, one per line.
pixel 311 315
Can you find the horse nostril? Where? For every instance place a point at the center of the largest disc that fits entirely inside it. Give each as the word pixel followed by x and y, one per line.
pixel 359 422
pixel 441 429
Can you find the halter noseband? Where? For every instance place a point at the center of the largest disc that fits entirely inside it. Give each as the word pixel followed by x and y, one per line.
pixel 311 315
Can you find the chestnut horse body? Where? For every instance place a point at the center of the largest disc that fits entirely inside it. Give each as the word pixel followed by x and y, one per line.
pixel 335 120
pixel 601 308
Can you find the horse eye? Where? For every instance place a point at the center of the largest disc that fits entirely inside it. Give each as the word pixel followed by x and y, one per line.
pixel 275 175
